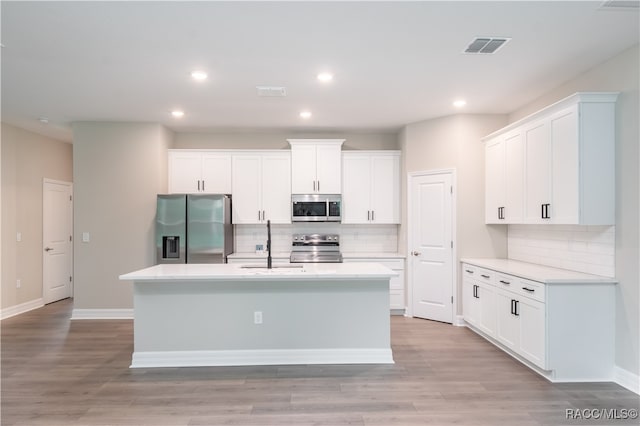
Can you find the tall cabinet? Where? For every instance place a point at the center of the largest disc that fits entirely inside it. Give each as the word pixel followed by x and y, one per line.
pixel 560 160
pixel 371 187
pixel 315 166
pixel 261 187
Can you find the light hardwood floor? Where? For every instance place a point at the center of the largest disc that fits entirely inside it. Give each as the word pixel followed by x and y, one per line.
pixel 58 372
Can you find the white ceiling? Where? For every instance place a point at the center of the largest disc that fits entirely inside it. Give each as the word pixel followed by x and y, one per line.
pixel 394 62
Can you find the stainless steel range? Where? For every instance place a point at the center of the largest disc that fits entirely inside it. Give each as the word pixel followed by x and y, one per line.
pixel 315 248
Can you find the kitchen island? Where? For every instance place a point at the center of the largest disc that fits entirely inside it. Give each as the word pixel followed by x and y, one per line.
pixel 229 314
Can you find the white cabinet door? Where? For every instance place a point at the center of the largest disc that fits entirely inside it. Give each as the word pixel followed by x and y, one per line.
pixel 514 166
pixel 303 169
pixel 316 166
pixel 371 187
pixel 184 172
pixel 276 187
pixel 508 324
pixel 487 318
pixel 565 167
pixel 385 189
pixel 216 173
pixel 470 304
pixel 328 169
pixel 537 140
pixel 356 188
pixel 246 191
pixel 494 180
pixel 532 331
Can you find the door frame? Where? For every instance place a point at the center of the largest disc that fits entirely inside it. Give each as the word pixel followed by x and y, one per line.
pixel 454 252
pixel 70 185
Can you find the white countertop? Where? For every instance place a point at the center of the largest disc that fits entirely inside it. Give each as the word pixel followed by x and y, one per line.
pixel 235 272
pixel 540 273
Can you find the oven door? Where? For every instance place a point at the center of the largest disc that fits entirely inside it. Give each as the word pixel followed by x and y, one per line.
pixel 308 208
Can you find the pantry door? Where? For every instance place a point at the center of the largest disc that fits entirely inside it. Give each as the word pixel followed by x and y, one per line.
pixel 57 240
pixel 431 245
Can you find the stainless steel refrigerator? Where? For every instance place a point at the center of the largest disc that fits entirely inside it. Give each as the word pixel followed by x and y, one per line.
pixel 193 228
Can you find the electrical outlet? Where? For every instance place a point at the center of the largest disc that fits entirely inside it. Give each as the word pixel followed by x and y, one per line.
pixel 257 317
pixel 19 236
pixel 18 284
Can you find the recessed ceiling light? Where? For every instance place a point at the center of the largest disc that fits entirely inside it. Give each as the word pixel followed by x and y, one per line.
pixel 305 114
pixel 325 77
pixel 177 113
pixel 459 103
pixel 199 75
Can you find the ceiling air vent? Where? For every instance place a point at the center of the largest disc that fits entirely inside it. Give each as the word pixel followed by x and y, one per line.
pixel 620 5
pixel 271 91
pixel 486 44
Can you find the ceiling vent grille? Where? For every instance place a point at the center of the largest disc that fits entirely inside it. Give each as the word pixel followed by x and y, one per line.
pixel 486 45
pixel 271 91
pixel 620 5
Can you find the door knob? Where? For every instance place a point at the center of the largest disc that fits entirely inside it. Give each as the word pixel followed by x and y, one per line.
pixel 48 249
pixel 415 253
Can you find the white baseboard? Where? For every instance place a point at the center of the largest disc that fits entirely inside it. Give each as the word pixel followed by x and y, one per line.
pixel 458 321
pixel 93 314
pixel 260 357
pixel 12 311
pixel 627 379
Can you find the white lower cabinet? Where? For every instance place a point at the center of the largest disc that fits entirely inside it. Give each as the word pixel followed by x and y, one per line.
pixel 563 327
pixel 396 284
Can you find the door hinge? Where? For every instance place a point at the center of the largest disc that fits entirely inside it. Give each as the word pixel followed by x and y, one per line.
pixel 70 238
pixel 70 279
pixel 451 243
pixel 451 299
pixel 70 197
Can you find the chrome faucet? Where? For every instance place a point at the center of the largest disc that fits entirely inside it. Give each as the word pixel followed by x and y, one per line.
pixel 269 244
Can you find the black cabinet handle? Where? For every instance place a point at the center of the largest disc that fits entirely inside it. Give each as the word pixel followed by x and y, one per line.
pixel 512 307
pixel 505 282
pixel 516 311
pixel 475 292
pixel 500 212
pixel 203 185
pixel 198 185
pixel 485 276
pixel 528 289
pixel 469 271
pixel 545 211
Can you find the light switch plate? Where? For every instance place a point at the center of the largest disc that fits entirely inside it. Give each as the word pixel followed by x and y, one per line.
pixel 85 237
pixel 19 236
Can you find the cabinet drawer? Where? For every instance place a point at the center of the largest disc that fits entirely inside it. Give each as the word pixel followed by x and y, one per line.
pixel 532 289
pixel 480 274
pixel 396 299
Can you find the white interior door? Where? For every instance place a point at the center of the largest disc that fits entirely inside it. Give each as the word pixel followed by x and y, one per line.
pixel 431 245
pixel 57 259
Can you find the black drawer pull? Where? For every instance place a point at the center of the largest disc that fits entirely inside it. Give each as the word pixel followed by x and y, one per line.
pixel 505 282
pixel 528 289
pixel 469 271
pixel 485 276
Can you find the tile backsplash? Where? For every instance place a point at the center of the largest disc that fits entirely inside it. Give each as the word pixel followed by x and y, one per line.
pixel 353 238
pixel 588 249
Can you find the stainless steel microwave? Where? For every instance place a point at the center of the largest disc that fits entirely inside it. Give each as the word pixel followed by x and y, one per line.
pixel 316 208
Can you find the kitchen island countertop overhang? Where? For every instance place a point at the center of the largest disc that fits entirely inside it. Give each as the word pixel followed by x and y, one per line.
pixel 227 314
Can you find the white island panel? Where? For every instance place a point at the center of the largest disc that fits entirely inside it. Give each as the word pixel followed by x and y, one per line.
pixel 205 315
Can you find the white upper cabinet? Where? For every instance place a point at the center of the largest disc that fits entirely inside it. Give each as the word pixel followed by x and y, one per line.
pixel 371 187
pixel 504 177
pixel 261 187
pixel 315 166
pixel 567 161
pixel 204 172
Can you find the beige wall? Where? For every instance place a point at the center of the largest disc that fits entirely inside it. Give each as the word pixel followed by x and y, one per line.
pixel 118 168
pixel 278 140
pixel 27 158
pixel 453 142
pixel 621 73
